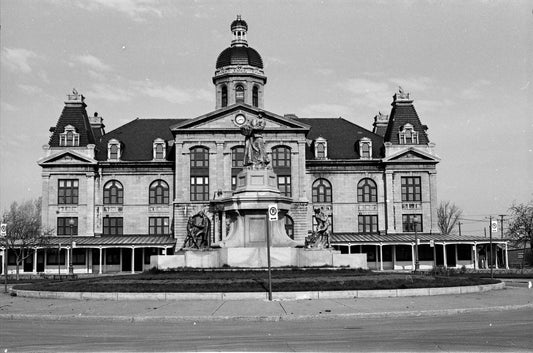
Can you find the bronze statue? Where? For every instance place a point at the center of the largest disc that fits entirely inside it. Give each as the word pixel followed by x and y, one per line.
pixel 254 145
pixel 198 231
pixel 320 237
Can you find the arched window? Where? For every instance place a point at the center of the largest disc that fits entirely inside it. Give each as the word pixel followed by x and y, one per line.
pixel 255 96
pixel 321 191
pixel 407 135
pixel 239 94
pixel 159 149
pixel 237 163
pixel 113 150
pixel 69 137
pixel 321 148
pixel 199 174
pixel 365 148
pixel 367 191
pixel 281 163
pixel 159 193
pixel 113 193
pixel 289 227
pixel 224 96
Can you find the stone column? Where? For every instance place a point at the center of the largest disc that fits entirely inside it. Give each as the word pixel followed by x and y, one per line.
pixel 34 260
pixel 381 257
pixel 223 225
pixel 133 259
pixel 221 172
pixel 100 261
pixel 89 223
pixel 507 257
pixel 474 248
pixel 444 254
pixel 433 199
pixel 389 202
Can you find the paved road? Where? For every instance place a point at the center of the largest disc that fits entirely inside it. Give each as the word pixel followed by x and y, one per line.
pixel 482 331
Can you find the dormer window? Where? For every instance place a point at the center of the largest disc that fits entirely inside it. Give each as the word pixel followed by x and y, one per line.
pixel 239 94
pixel 365 148
pixel 113 150
pixel 70 137
pixel 321 148
pixel 407 135
pixel 160 151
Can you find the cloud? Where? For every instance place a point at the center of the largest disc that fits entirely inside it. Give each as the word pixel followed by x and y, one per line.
pixel 324 71
pixel 8 107
pixel 93 62
pixel 137 10
pixel 325 110
pixel 17 59
pixel 109 93
pixel 173 94
pixel 475 91
pixel 29 89
pixel 368 93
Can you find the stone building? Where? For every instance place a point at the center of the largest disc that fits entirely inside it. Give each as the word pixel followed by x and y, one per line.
pixel 125 195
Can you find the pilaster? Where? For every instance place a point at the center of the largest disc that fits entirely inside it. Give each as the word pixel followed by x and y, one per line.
pixel 389 201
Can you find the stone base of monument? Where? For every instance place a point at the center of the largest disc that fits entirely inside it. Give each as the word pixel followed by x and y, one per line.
pixel 256 257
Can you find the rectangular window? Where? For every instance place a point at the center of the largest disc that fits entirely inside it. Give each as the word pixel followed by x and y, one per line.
pixel 67 192
pixel 64 228
pixel 411 189
pixel 368 223
pixel 78 257
pixel 464 252
pixel 199 188
pixel 411 222
pixel 113 226
pixel 51 257
pixel 425 253
pixel 158 225
pixel 112 256
pixel 404 253
pixel 284 185
pixel 159 151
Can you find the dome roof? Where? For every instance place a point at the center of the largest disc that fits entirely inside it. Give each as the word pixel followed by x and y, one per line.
pixel 239 56
pixel 239 23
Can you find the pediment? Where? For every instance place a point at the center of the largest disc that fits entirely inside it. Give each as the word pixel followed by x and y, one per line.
pixel 67 158
pixel 412 155
pixel 227 119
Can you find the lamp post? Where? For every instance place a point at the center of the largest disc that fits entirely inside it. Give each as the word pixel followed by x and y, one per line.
pixel 417 263
pixel 71 252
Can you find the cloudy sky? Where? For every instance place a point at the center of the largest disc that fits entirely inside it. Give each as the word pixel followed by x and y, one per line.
pixel 467 64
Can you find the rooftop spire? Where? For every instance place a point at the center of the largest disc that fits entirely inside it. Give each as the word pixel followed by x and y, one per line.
pixel 239 27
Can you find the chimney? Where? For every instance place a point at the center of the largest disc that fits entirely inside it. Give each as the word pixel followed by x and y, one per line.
pixel 380 124
pixel 97 125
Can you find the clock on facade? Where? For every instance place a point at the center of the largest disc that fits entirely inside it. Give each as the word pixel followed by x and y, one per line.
pixel 240 119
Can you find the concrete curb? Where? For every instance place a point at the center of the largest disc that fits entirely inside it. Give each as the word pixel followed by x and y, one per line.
pixel 387 293
pixel 177 319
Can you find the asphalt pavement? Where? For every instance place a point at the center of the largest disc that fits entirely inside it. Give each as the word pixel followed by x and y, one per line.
pixel 516 295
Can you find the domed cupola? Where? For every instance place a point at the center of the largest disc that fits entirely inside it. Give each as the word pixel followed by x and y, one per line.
pixel 239 76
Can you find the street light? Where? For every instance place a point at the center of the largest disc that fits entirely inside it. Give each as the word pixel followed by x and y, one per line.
pixel 417 264
pixel 71 252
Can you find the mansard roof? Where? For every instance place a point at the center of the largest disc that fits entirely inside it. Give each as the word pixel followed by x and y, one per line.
pixel 137 137
pixel 401 114
pixel 76 116
pixel 342 137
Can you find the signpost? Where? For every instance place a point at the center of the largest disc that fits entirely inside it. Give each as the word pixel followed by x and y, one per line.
pixel 493 228
pixel 272 216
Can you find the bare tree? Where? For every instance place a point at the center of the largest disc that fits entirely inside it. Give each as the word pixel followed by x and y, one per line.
pixel 448 215
pixel 521 224
pixel 24 230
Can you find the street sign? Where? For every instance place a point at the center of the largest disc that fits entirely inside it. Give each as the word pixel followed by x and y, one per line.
pixel 3 229
pixel 494 226
pixel 273 212
pixel 432 243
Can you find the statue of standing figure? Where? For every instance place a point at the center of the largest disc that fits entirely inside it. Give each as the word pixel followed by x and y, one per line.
pixel 254 145
pixel 198 231
pixel 320 237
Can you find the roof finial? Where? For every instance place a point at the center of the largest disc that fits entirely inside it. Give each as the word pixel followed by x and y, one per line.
pixel 239 27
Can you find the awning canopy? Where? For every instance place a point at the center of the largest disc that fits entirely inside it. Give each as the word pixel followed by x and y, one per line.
pixel 408 238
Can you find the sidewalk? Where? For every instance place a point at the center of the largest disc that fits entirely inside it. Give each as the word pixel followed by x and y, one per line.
pixel 510 298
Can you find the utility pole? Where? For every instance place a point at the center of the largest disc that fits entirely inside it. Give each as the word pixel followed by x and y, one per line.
pixel 460 228
pixel 501 223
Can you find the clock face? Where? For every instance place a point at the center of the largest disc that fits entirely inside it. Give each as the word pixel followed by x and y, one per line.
pixel 240 119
